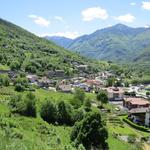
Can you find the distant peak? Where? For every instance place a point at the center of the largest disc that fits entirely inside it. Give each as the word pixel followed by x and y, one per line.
pixel 119 25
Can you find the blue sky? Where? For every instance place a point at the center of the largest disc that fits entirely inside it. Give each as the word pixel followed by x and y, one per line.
pixel 72 18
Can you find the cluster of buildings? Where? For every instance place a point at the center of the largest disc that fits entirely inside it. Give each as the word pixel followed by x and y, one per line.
pixel 90 83
pixel 138 107
pixel 138 110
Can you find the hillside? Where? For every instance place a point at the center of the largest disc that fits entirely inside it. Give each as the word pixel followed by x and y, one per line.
pixel 22 50
pixel 117 43
pixel 62 41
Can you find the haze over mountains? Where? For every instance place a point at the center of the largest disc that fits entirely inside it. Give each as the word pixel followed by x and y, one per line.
pixel 117 43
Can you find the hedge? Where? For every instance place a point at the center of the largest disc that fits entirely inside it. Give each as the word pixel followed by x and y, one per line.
pixel 135 125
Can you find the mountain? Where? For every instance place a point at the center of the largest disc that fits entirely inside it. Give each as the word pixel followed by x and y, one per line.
pixel 22 50
pixel 118 43
pixel 62 41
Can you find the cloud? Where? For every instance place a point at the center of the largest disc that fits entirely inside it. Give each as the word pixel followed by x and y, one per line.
pixel 71 35
pixel 59 18
pixel 40 20
pixel 147 26
pixel 146 5
pixel 94 13
pixel 133 4
pixel 125 18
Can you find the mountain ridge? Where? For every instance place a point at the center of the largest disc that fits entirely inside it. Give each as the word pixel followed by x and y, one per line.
pixel 115 43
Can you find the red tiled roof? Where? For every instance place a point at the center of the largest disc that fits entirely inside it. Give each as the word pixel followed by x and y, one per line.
pixel 115 90
pixel 137 101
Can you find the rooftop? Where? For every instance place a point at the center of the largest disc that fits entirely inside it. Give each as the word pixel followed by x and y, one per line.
pixel 139 110
pixel 137 101
pixel 115 90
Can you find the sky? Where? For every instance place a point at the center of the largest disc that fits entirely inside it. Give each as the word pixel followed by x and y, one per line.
pixel 73 18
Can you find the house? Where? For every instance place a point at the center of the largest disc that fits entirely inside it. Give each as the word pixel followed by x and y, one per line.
pixel 44 82
pixel 56 73
pixel 32 78
pixel 94 82
pixel 140 116
pixel 115 93
pixel 12 74
pixel 105 75
pixel 64 88
pixel 59 73
pixel 82 67
pixel 134 102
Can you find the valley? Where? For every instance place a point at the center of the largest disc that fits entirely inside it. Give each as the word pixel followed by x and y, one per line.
pixel 92 92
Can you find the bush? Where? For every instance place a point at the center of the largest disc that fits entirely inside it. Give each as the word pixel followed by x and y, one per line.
pixel 48 111
pixel 23 106
pixel 131 139
pixel 135 125
pixel 19 87
pixel 4 80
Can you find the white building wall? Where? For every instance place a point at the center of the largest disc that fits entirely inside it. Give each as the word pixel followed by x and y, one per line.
pixel 147 119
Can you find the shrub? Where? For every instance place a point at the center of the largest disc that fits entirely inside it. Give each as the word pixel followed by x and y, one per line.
pixel 135 125
pixel 79 96
pixel 131 139
pixel 4 80
pixel 19 87
pixel 48 111
pixel 23 106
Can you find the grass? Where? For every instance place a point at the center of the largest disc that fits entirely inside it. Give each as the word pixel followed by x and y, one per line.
pixel 4 67
pixel 34 130
pixel 115 144
pixel 28 133
pixel 3 109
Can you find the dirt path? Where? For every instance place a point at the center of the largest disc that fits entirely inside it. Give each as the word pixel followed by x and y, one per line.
pixel 146 146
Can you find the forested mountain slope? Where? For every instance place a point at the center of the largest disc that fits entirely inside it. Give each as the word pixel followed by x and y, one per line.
pixel 22 50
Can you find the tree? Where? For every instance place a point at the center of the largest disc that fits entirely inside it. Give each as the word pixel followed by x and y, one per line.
pixel 81 147
pixel 90 132
pixel 87 105
pixel 79 96
pixel 30 105
pixel 23 106
pixel 19 87
pixel 15 65
pixel 111 81
pixel 48 111
pixel 64 113
pixel 20 84
pixel 147 93
pixel 78 114
pixel 4 80
pixel 102 97
pixel 126 83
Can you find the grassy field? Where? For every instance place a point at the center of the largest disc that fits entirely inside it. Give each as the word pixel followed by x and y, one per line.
pixel 115 144
pixel 25 133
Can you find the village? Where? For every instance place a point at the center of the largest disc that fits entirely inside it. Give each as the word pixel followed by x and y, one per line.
pixel 133 99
